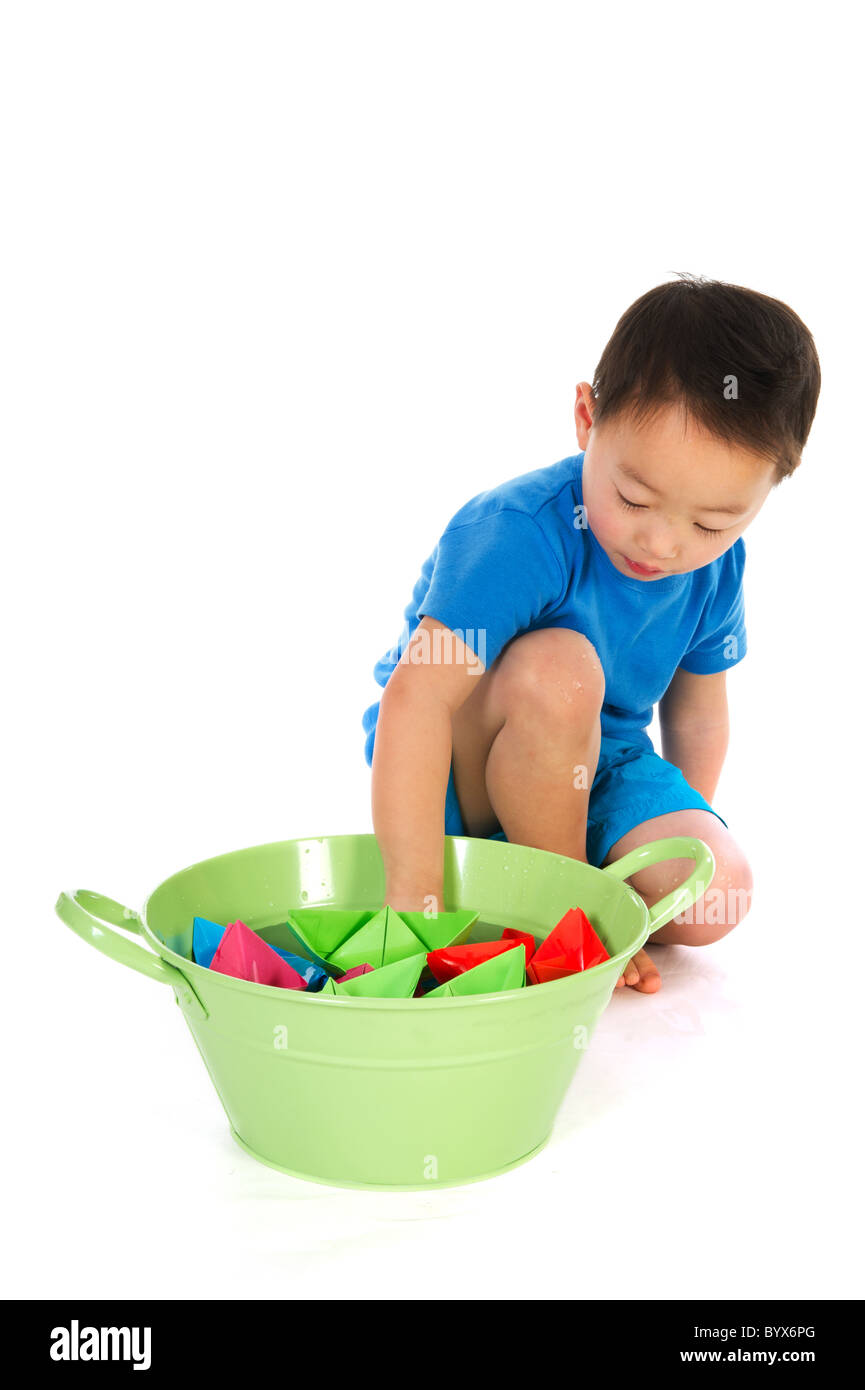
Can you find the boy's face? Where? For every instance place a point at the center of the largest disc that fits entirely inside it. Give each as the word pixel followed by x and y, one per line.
pixel 662 500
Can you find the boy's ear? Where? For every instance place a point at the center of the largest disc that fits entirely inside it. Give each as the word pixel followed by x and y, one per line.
pixel 584 409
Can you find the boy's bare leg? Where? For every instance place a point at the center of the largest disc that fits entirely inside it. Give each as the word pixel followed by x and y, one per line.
pixel 526 742
pixel 525 748
pixel 721 905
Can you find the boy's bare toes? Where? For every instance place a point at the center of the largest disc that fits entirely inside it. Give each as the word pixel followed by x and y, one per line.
pixel 641 974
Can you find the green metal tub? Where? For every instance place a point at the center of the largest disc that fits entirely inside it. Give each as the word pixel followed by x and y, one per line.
pixel 394 1093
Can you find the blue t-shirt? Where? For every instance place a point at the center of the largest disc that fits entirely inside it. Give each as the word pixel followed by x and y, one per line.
pixel 521 556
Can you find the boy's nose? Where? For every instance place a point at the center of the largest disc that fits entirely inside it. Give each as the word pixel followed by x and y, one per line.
pixel 659 546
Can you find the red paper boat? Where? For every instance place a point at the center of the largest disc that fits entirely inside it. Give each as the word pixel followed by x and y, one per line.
pixel 511 934
pixel 571 946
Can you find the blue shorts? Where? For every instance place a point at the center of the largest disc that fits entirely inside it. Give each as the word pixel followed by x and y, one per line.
pixel 633 783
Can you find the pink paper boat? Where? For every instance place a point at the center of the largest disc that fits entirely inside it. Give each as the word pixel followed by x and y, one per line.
pixel 355 971
pixel 244 955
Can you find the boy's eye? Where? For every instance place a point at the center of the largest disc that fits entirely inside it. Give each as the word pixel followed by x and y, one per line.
pixel 643 506
pixel 632 506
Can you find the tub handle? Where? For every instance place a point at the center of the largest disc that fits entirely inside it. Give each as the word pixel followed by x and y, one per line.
pixel 91 916
pixel 655 852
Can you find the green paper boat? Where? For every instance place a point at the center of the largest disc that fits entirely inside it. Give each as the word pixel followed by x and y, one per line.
pixel 341 938
pixel 507 971
pixel 322 929
pixel 395 981
pixel 445 929
pixel 385 938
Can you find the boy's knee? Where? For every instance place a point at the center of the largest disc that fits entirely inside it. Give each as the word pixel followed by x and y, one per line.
pixel 555 672
pixel 723 905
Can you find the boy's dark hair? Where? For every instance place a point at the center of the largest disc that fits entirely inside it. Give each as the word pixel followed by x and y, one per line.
pixel 682 342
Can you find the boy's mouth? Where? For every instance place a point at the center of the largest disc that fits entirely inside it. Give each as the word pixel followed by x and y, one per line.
pixel 641 569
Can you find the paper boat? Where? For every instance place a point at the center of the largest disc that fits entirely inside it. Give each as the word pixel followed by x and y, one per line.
pixel 313 975
pixel 245 956
pixel 344 937
pixel 512 934
pixel 322 929
pixel 504 971
pixel 207 935
pixel 395 981
pixel 356 970
pixel 333 984
pixel 573 945
pixel 444 929
pixel 456 960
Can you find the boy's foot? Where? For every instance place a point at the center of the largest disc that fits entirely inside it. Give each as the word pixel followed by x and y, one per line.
pixel 641 974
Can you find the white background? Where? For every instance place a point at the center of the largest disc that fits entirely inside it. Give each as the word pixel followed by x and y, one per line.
pixel 283 285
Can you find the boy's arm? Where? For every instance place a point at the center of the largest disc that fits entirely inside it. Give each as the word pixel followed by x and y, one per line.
pixel 411 761
pixel 695 727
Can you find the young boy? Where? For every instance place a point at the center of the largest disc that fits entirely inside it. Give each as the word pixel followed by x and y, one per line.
pixel 558 608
